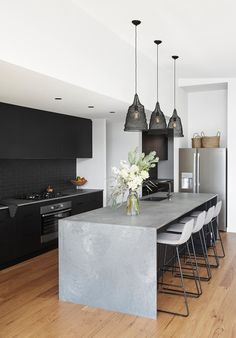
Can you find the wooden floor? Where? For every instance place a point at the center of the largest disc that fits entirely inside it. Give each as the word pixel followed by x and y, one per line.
pixel 29 306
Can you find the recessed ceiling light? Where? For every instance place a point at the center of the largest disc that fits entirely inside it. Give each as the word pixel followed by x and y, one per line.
pixel 112 112
pixel 58 98
pixel 90 106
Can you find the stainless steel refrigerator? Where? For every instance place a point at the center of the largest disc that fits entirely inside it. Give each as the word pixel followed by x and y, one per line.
pixel 204 170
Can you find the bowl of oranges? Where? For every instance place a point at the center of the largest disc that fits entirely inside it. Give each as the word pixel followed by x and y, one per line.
pixel 79 181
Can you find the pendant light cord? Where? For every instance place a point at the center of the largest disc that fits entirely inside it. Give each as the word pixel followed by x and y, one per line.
pixel 157 72
pixel 136 61
pixel 175 57
pixel 174 84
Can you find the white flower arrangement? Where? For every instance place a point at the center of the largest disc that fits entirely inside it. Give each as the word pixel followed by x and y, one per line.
pixel 132 174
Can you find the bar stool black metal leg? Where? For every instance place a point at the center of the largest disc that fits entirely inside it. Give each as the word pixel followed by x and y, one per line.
pixel 183 293
pixel 196 264
pixel 222 246
pixel 194 275
pixel 219 239
pixel 198 287
pixel 211 230
pixel 182 283
pixel 205 255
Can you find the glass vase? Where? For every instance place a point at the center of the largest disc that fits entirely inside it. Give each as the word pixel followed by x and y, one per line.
pixel 133 207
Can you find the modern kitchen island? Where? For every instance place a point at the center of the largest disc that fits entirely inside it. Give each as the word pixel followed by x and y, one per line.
pixel 109 260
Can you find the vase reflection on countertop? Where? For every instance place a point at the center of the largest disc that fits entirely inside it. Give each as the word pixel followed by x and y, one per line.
pixel 133 207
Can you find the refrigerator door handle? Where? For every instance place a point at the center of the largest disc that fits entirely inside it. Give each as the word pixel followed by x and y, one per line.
pixel 194 172
pixel 198 172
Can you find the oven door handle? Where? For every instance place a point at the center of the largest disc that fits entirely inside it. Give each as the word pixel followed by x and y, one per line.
pixel 56 212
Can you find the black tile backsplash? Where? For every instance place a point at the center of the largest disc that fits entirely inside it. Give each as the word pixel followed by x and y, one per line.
pixel 19 177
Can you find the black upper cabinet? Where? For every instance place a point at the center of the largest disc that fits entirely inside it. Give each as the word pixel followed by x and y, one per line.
pixel 157 140
pixel 27 133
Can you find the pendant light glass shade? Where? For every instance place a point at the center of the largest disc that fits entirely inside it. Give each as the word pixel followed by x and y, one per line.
pixel 158 120
pixel 175 120
pixel 136 117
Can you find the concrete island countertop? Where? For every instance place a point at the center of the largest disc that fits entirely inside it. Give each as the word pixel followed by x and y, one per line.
pixel 154 214
pixel 109 260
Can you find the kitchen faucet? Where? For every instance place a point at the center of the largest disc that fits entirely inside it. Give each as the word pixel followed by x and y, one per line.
pixel 169 194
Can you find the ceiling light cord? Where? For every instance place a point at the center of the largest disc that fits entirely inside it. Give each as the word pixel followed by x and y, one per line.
pixel 174 83
pixel 136 62
pixel 157 73
pixel 175 57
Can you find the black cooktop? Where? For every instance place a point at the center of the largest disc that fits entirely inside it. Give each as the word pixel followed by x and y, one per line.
pixel 47 195
pixel 40 196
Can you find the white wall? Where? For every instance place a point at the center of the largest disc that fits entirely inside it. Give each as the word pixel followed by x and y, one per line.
pixel 180 142
pixel 94 169
pixel 207 112
pixel 119 143
pixel 231 141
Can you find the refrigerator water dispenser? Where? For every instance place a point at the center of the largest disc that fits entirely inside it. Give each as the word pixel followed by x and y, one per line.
pixel 186 181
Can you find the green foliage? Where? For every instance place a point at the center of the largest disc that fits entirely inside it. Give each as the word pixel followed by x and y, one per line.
pixel 144 162
pixel 132 174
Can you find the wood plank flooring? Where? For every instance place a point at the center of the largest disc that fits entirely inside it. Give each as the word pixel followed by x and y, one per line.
pixel 29 306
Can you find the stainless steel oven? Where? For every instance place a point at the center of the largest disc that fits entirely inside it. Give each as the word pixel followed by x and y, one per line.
pixel 50 215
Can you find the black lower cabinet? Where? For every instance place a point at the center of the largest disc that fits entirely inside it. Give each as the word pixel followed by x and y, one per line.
pixel 20 236
pixel 87 202
pixel 8 239
pixel 28 229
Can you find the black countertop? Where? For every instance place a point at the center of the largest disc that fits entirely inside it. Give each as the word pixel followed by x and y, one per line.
pixel 65 194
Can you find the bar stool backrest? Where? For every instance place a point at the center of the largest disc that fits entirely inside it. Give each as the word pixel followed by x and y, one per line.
pixel 209 214
pixel 199 222
pixel 187 231
pixel 217 209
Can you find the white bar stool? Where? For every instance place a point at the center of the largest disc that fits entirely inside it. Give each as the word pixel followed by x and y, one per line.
pixel 198 224
pixel 208 223
pixel 198 229
pixel 215 218
pixel 176 240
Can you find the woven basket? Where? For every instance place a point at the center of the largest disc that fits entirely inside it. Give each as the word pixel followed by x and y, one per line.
pixel 196 141
pixel 210 141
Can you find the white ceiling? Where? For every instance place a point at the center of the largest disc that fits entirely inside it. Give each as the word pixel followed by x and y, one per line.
pixel 201 32
pixel 54 55
pixel 24 87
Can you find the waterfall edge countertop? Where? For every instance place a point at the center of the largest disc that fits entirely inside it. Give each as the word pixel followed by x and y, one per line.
pixel 155 214
pixel 110 261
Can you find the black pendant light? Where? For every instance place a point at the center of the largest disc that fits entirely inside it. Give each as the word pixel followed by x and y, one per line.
pixel 175 121
pixel 158 120
pixel 136 117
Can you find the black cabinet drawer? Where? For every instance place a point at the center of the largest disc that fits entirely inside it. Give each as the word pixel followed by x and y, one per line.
pixel 87 202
